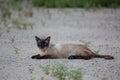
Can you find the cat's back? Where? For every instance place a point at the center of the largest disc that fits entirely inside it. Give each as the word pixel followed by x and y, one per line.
pixel 67 49
pixel 69 46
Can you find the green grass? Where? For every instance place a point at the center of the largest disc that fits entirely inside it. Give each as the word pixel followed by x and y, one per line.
pixel 13 39
pixel 96 51
pixel 62 72
pixel 22 24
pixel 17 23
pixel 46 69
pixel 42 78
pixel 75 3
pixel 8 29
pixel 6 14
pixel 43 23
pixel 16 50
pixel 33 78
pixel 31 69
pixel 1 34
pixel 48 13
pixel 66 3
pixel 86 43
pixel 104 78
pixel 28 13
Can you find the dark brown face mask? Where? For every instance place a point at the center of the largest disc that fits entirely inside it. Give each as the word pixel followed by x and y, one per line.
pixel 42 43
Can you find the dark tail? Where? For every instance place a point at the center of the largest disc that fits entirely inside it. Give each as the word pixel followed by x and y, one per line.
pixel 104 56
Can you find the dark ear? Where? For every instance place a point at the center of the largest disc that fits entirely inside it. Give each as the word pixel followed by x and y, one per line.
pixel 48 39
pixel 37 38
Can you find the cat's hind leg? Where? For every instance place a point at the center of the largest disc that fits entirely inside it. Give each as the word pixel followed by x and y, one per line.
pixel 79 57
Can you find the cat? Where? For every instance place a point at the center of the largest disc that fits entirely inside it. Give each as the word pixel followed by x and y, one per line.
pixel 66 50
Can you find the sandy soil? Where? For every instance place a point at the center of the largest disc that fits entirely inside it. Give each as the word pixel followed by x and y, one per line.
pixel 100 27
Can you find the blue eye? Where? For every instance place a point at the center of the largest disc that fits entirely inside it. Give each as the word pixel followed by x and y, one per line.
pixel 39 44
pixel 45 44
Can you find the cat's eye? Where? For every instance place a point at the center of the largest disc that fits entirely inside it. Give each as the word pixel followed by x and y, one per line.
pixel 45 44
pixel 39 44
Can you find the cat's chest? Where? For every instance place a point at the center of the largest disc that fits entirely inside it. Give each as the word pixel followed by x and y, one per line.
pixel 54 50
pixel 58 47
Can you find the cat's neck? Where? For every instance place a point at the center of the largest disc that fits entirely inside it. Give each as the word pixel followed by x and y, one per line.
pixel 48 48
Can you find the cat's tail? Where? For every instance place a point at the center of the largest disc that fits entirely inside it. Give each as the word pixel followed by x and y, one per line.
pixel 104 56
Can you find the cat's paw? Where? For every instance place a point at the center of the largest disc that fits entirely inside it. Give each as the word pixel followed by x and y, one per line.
pixel 36 56
pixel 71 57
pixel 33 57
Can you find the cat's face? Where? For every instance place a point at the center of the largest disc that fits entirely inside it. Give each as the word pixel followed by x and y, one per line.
pixel 42 43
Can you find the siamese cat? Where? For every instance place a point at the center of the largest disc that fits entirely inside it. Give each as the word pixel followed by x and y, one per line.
pixel 66 50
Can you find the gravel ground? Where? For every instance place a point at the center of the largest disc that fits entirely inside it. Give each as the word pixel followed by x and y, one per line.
pixel 100 27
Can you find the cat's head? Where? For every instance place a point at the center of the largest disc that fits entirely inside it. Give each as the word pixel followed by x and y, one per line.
pixel 43 43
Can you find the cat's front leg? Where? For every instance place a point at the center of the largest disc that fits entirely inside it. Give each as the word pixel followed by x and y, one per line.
pixel 38 56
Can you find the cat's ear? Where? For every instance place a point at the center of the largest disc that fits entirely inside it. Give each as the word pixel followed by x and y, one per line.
pixel 48 39
pixel 37 38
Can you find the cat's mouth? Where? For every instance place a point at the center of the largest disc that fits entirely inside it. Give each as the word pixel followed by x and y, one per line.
pixel 43 49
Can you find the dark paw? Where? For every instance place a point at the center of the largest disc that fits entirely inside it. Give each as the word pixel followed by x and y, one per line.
pixel 71 57
pixel 33 57
pixel 36 56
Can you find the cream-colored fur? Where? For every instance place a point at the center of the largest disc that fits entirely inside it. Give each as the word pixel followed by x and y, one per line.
pixel 66 49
